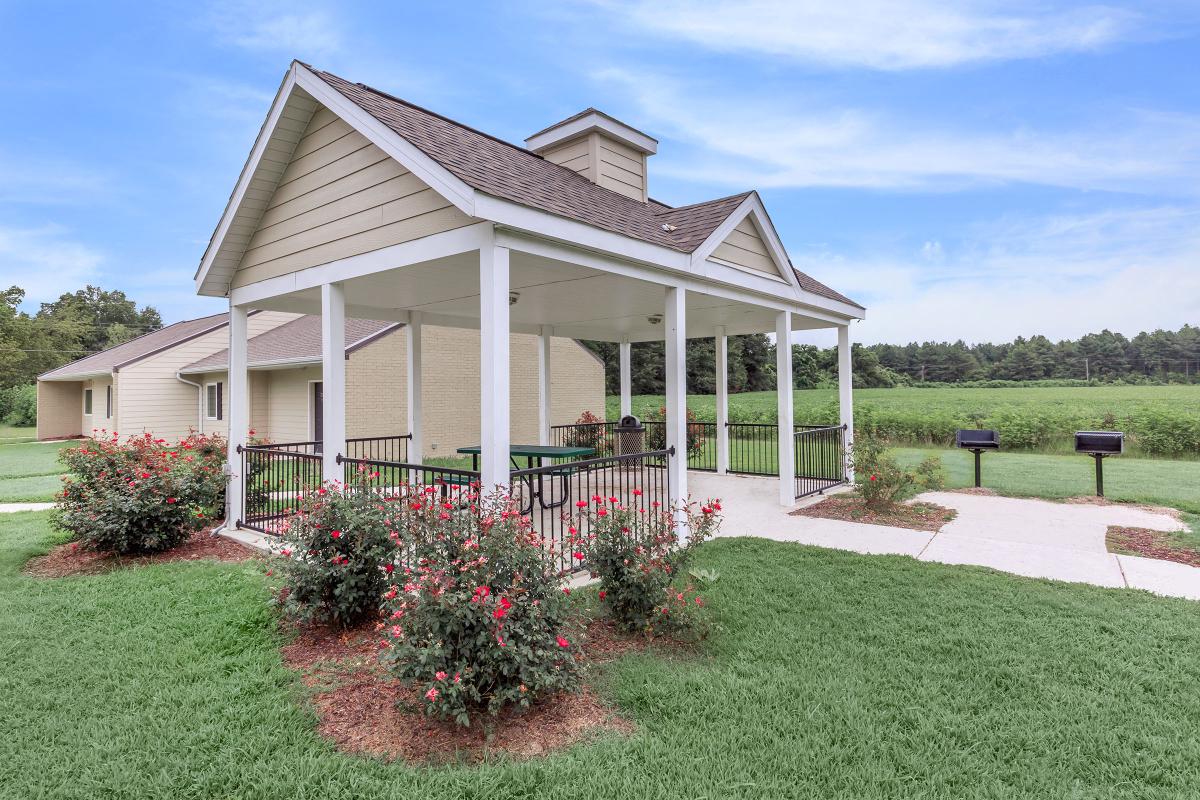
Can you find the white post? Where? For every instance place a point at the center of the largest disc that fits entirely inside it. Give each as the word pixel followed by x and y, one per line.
pixel 676 347
pixel 333 379
pixel 544 396
pixel 846 395
pixel 626 351
pixel 238 415
pixel 493 360
pixel 783 390
pixel 722 377
pixel 416 445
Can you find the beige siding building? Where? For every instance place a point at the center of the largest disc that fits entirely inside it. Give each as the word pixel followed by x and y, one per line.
pixel 175 380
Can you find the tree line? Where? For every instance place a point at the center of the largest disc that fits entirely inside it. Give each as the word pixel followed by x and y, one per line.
pixel 1158 356
pixel 71 327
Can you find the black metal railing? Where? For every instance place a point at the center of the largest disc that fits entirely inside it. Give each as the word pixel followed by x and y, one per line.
pixel 597 435
pixel 753 448
pixel 820 455
pixel 273 478
pixel 549 495
pixel 379 448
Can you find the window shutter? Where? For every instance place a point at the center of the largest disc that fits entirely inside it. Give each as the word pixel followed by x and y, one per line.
pixel 108 401
pixel 220 401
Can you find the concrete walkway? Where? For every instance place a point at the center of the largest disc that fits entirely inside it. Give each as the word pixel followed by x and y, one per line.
pixel 1034 538
pixel 11 507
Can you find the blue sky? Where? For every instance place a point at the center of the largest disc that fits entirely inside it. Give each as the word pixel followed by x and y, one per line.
pixel 973 170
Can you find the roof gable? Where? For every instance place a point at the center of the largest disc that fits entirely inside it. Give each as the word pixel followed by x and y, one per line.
pixel 144 346
pixel 298 341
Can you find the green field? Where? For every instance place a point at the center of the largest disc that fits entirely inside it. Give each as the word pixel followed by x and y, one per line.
pixel 829 674
pixel 1160 420
pixel 10 433
pixel 29 471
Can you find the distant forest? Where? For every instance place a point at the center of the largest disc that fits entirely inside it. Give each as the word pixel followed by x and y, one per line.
pixel 1155 357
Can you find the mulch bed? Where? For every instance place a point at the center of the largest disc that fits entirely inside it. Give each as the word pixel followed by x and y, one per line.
pixel 1149 544
pixel 850 508
pixel 365 711
pixel 75 559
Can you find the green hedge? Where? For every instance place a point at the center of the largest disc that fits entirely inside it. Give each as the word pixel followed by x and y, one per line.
pixel 18 405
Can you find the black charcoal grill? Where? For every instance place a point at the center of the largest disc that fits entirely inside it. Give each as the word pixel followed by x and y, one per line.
pixel 977 440
pixel 1099 445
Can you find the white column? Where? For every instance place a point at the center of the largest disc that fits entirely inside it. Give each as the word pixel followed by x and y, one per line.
pixel 416 445
pixel 675 321
pixel 238 414
pixel 783 390
pixel 494 368
pixel 333 379
pixel 722 377
pixel 626 351
pixel 544 394
pixel 846 394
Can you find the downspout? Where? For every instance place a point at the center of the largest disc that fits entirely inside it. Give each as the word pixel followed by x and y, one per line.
pixel 199 400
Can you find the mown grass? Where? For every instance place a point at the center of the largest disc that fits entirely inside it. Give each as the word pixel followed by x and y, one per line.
pixel 14 433
pixel 829 675
pixel 29 471
pixel 1138 480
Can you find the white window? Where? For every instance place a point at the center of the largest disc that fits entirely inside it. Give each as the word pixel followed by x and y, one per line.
pixel 213 400
pixel 87 402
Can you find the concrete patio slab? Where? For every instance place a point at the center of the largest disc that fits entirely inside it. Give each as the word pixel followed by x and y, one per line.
pixel 1161 577
pixel 1030 560
pixel 1033 538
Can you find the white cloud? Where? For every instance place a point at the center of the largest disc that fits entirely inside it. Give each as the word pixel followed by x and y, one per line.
pixel 882 34
pixel 44 262
pixel 273 26
pixel 1062 276
pixel 742 139
pixel 31 180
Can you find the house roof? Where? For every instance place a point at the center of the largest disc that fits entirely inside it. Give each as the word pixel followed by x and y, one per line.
pixel 501 169
pixel 112 359
pixel 298 341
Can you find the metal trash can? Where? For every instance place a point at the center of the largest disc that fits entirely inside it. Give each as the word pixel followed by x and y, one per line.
pixel 630 436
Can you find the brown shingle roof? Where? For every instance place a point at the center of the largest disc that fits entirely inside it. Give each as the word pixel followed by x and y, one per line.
pixel 297 340
pixel 136 349
pixel 498 168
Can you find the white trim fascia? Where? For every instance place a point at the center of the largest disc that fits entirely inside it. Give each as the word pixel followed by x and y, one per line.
pixel 431 172
pixel 427 248
pixel 578 234
pixel 265 134
pixel 77 376
pixel 770 298
pixel 594 121
pixel 720 262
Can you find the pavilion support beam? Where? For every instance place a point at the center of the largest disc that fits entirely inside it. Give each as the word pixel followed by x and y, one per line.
pixel 239 414
pixel 722 380
pixel 783 389
pixel 416 445
pixel 626 352
pixel 846 395
pixel 333 379
pixel 675 322
pixel 494 367
pixel 545 400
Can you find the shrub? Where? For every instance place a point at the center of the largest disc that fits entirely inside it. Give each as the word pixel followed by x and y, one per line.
pixel 142 495
pixel 480 620
pixel 588 431
pixel 883 482
pixel 637 556
pixel 656 435
pixel 18 405
pixel 338 555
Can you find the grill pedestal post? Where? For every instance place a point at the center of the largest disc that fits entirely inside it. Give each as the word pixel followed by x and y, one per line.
pixel 1099 473
pixel 978 481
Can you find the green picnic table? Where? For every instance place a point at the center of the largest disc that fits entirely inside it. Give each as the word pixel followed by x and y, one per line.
pixel 537 451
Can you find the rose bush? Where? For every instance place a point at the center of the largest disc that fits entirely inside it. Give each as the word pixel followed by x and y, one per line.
pixel 881 480
pixel 640 562
pixel 338 555
pixel 140 495
pixel 479 620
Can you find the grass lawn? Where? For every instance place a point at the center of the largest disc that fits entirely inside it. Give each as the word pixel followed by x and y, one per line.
pixel 1141 480
pixel 11 433
pixel 29 471
pixel 831 674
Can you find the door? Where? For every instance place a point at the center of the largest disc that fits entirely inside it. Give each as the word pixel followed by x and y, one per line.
pixel 318 420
